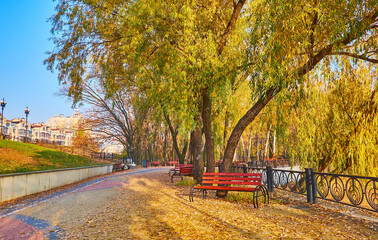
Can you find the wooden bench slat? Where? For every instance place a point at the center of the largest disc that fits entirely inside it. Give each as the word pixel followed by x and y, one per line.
pixel 243 189
pixel 233 178
pixel 232 174
pixel 231 182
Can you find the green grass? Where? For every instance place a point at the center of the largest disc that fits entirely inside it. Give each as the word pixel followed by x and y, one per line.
pixel 240 197
pixel 186 182
pixel 23 157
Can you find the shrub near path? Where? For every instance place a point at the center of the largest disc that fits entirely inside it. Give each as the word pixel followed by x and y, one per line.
pixel 149 207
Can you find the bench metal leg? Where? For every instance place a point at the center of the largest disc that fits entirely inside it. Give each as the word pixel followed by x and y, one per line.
pixel 260 191
pixel 191 193
pixel 176 174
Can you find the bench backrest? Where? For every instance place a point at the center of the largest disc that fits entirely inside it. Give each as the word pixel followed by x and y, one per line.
pixel 232 178
pixel 188 170
pixel 179 166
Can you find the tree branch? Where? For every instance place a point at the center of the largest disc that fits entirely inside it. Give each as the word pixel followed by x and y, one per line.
pixel 362 57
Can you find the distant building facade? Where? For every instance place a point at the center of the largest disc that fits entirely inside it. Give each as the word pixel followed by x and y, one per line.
pixel 57 130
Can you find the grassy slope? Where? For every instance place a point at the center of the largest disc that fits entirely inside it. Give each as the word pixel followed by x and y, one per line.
pixel 24 157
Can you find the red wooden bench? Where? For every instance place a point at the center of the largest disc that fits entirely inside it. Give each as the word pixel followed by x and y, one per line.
pixel 155 163
pixel 180 170
pixel 172 163
pixel 118 166
pixel 240 182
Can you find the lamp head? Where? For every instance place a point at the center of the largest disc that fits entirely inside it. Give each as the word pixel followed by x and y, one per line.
pixel 3 103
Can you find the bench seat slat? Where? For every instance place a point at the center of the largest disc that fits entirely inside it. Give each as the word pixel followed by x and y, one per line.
pixel 244 189
pixel 233 178
pixel 232 174
pixel 231 182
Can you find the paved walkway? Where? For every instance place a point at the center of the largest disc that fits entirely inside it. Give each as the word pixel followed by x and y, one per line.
pixel 39 217
pixel 143 204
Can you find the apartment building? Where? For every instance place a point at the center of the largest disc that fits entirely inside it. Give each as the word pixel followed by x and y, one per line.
pixel 15 129
pixel 57 130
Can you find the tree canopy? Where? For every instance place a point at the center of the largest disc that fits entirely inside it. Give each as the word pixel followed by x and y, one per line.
pixel 192 61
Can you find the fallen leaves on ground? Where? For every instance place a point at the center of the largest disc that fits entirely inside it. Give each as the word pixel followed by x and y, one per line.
pixel 150 207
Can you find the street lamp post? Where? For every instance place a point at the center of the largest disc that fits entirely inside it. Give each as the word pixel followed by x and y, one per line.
pixel 26 127
pixel 3 103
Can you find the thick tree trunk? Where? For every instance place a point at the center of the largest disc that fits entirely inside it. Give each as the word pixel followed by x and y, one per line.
pixel 209 137
pixel 243 123
pixel 197 151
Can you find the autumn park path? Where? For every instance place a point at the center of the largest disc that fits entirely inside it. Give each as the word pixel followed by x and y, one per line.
pixel 143 204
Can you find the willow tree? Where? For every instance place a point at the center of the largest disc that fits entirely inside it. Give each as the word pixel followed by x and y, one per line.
pixel 190 51
pixel 336 126
pixel 289 39
pixel 165 48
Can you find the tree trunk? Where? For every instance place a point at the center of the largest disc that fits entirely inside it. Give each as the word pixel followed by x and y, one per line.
pixel 242 148
pixel 257 148
pixel 184 150
pixel 165 146
pixel 243 123
pixel 138 151
pixel 181 156
pixel 209 137
pixel 191 149
pixel 274 143
pixel 225 131
pixel 249 145
pixel 266 150
pixel 197 151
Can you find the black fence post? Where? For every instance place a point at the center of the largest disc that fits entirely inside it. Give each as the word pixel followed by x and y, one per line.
pixel 269 176
pixel 308 184
pixel 313 185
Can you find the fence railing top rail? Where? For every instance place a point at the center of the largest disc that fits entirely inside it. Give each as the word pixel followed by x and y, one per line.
pixel 344 175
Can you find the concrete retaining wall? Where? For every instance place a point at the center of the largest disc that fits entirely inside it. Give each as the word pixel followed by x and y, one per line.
pixel 21 184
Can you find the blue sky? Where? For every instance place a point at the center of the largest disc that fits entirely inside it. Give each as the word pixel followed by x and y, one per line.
pixel 24 80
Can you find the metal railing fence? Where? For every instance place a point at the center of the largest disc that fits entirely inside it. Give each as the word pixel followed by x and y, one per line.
pixel 356 191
